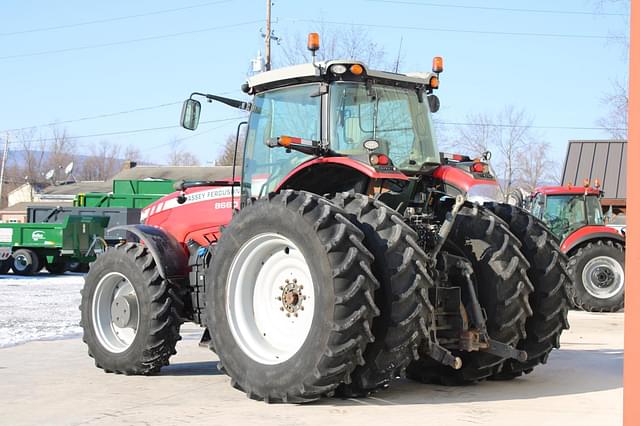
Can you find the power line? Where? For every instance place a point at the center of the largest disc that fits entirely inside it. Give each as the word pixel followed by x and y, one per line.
pixel 515 126
pixel 123 132
pixel 94 117
pixel 130 41
pixel 453 30
pixel 501 9
pixel 114 19
pixel 105 115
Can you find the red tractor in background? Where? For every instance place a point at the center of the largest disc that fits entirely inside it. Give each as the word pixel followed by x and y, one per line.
pixel 595 250
pixel 344 255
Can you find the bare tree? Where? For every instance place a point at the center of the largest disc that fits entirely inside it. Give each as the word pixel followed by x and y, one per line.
pixel 514 133
pixel 534 166
pixel 33 154
pixel 520 159
pixel 477 137
pixel 335 43
pixel 179 157
pixel 616 101
pixel 226 157
pixel 102 162
pixel 616 104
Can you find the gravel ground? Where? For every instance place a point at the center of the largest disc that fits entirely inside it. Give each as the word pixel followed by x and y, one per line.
pixel 42 307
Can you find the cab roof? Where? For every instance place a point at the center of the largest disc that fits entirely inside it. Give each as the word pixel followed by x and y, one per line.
pixel 320 71
pixel 567 190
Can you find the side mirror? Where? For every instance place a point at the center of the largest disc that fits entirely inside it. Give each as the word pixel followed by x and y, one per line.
pixel 190 114
pixel 434 103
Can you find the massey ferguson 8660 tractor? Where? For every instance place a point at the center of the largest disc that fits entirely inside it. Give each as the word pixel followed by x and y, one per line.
pixel 596 251
pixel 343 255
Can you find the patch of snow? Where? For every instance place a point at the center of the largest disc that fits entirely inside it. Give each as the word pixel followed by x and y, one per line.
pixel 42 307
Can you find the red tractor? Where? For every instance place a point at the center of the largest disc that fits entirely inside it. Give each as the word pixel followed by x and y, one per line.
pixel 595 250
pixel 343 255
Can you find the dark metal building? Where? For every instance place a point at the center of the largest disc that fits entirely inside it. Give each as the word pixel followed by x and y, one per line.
pixel 605 160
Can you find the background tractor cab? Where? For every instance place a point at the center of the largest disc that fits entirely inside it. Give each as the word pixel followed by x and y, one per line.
pixel 595 250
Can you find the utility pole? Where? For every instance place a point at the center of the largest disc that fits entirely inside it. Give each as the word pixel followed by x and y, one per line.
pixel 267 39
pixel 4 162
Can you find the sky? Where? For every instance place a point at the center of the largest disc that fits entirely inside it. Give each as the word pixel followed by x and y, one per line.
pixel 131 64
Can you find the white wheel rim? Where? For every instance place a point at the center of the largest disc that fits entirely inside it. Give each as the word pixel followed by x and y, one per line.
pixel 111 333
pixel 603 277
pixel 268 272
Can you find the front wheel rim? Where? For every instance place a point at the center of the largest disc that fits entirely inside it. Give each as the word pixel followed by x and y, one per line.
pixel 603 277
pixel 270 298
pixel 115 312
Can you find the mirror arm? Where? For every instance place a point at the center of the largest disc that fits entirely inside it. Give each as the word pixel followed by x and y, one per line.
pixel 246 106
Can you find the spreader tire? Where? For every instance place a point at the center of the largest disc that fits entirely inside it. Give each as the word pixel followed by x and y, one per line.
pixel 5 265
pixel 406 313
pixel 500 273
pixel 129 313
pixel 291 305
pixel 552 289
pixel 25 262
pixel 57 267
pixel 598 272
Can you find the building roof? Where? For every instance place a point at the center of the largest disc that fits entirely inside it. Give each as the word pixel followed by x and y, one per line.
pixel 22 207
pixel 605 160
pixel 76 188
pixel 177 173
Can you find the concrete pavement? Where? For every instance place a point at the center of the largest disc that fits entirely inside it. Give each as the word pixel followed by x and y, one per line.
pixel 55 382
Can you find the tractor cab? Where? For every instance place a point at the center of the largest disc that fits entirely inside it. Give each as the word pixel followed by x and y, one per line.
pixel 566 209
pixel 333 126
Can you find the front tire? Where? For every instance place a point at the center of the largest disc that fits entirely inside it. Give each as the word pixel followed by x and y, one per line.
pixel 598 272
pixel 128 315
pixel 291 304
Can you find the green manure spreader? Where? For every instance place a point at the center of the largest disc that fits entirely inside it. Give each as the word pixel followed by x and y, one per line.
pixel 26 248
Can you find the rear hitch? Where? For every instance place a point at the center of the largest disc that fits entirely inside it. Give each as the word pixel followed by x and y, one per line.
pixel 446 228
pixel 479 339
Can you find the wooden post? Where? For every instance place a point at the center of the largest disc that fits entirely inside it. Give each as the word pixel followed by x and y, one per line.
pixel 632 261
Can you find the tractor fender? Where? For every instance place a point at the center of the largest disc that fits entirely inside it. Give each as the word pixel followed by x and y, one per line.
pixel 590 233
pixel 321 175
pixel 169 255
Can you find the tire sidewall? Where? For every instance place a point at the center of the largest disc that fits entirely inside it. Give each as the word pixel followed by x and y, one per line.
pixel 116 261
pixel 268 217
pixel 585 298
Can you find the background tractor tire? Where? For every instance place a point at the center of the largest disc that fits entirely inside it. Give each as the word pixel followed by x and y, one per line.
pixel 598 273
pixel 294 253
pixel 25 262
pixel 406 312
pixel 552 289
pixel 500 273
pixel 144 343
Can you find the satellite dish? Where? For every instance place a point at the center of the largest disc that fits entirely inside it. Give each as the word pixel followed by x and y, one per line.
pixel 49 174
pixel 69 168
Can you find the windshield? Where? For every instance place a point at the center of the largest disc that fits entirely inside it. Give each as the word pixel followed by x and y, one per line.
pixel 566 213
pixel 394 117
pixel 291 111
